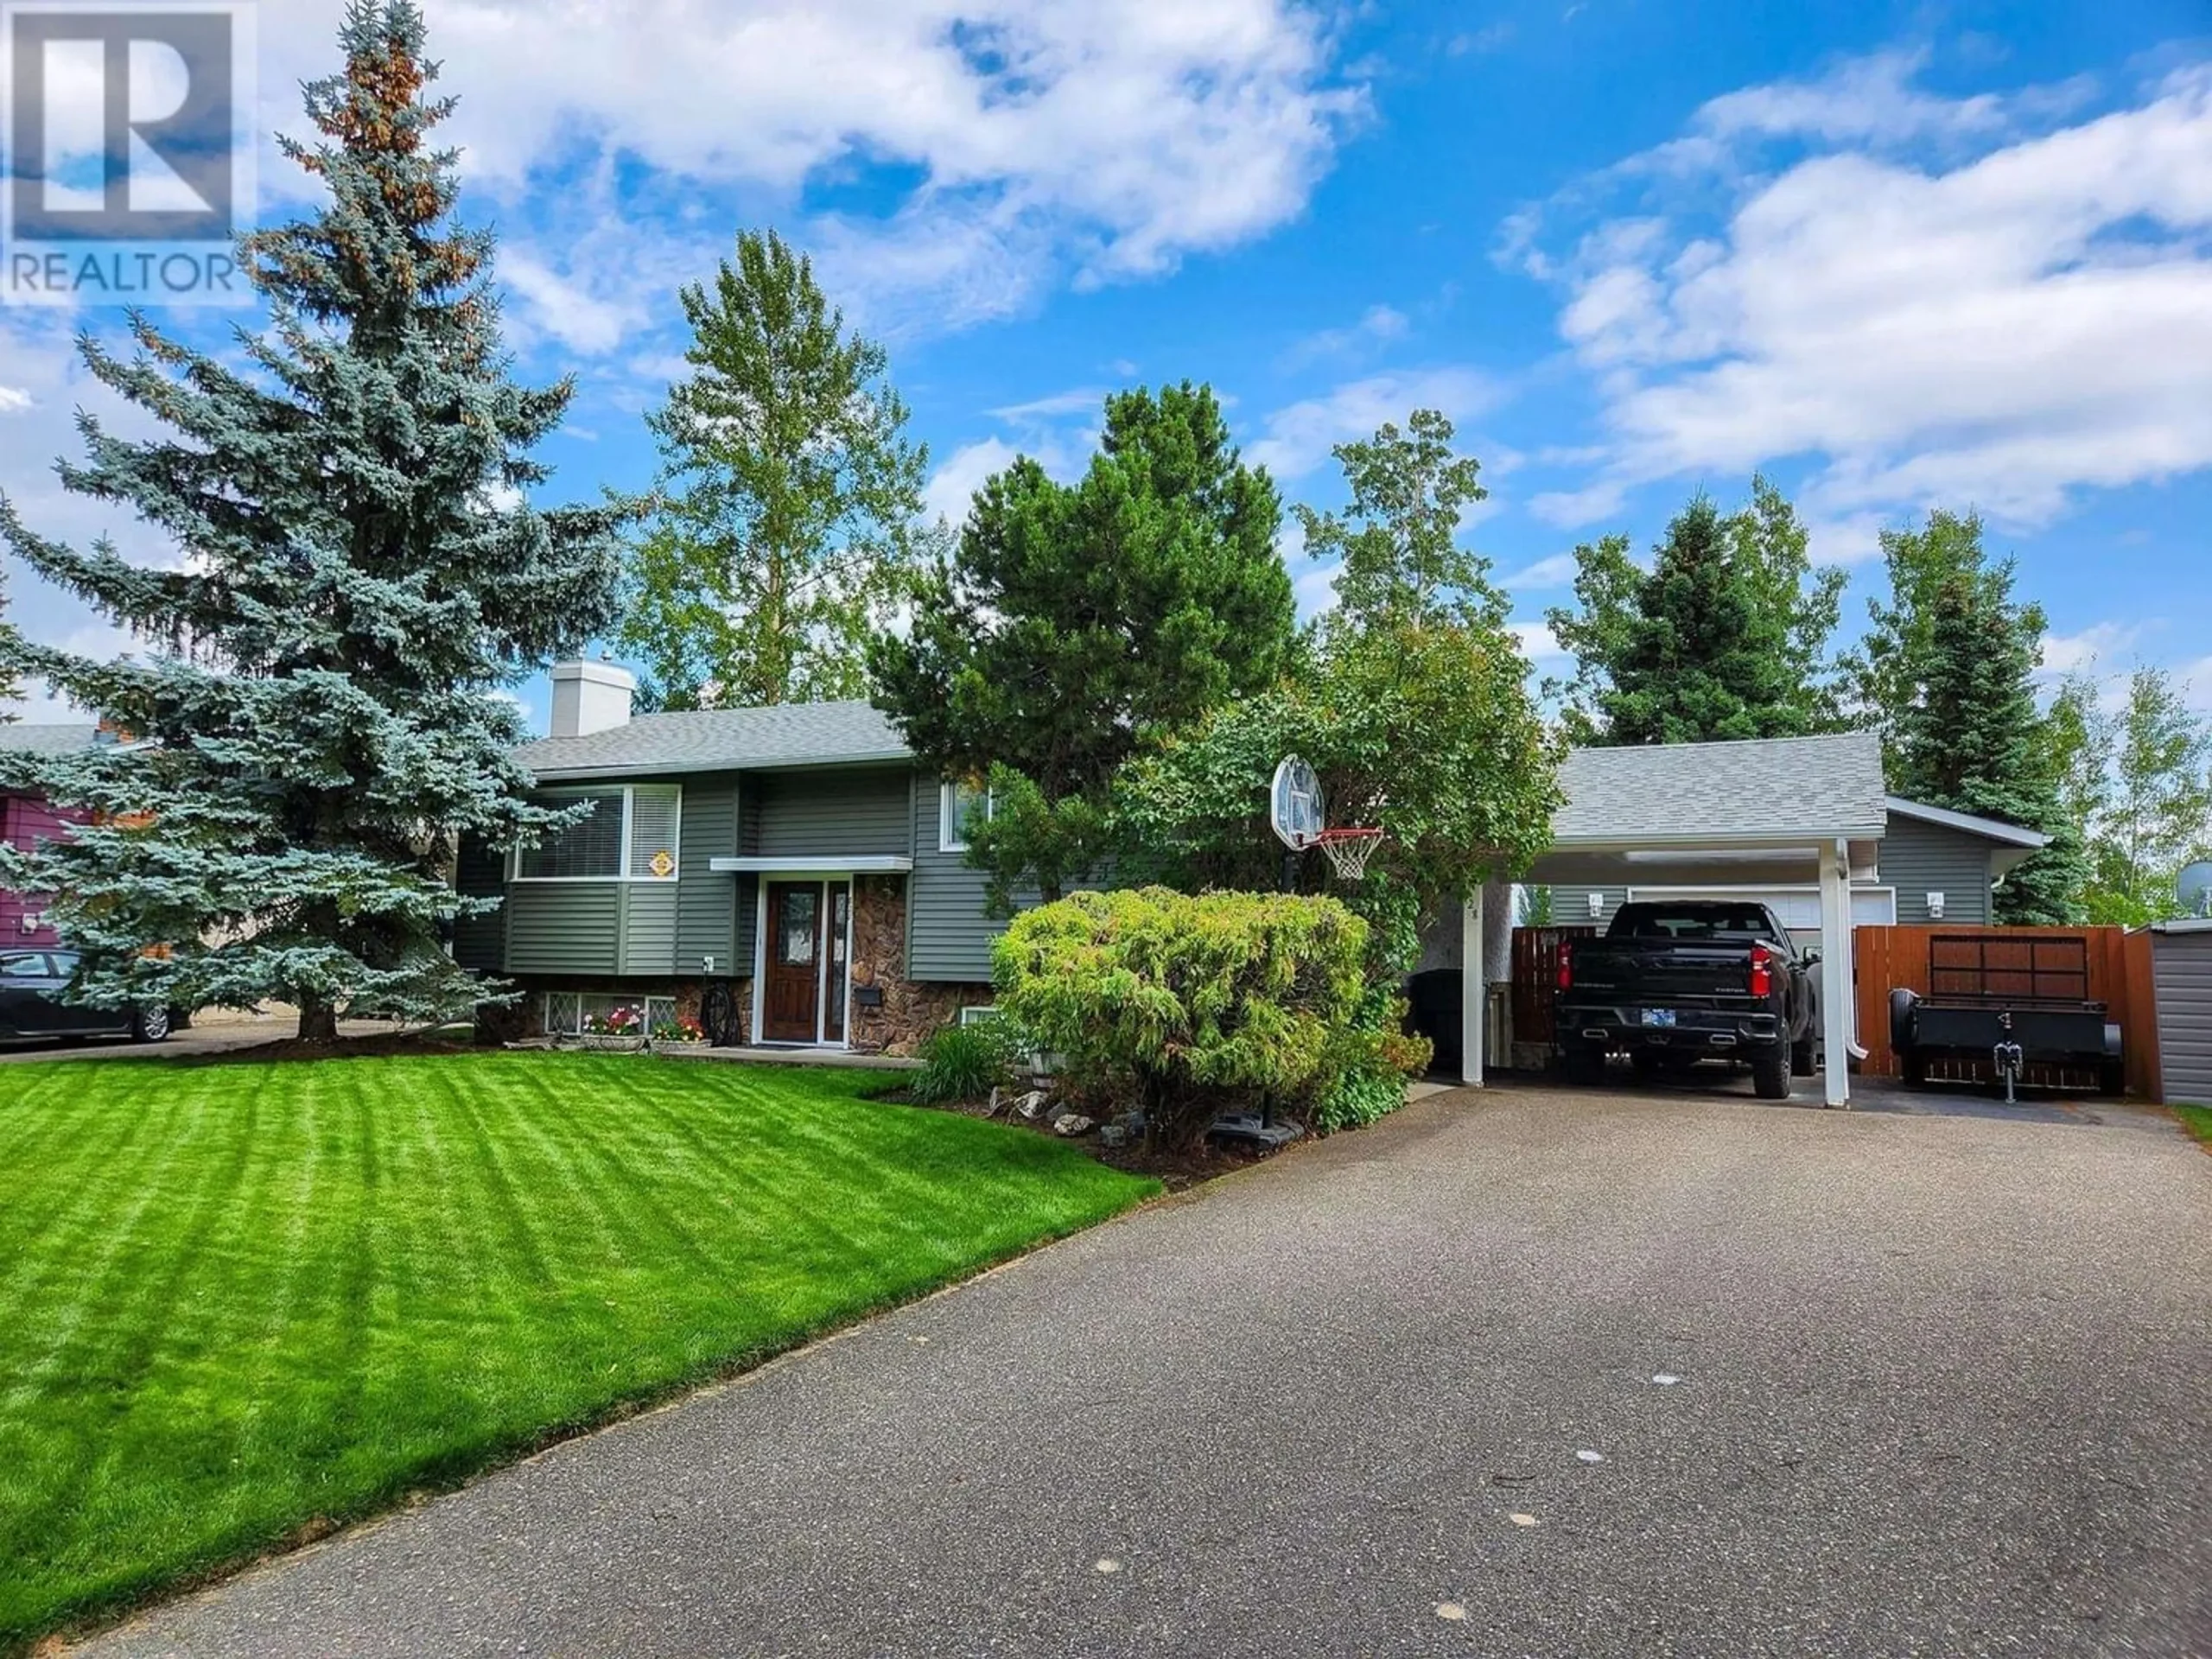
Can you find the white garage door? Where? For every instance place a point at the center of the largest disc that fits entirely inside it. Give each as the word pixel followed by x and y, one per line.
pixel 1798 909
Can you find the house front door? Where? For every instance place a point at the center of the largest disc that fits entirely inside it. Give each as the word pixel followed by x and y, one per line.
pixel 790 1007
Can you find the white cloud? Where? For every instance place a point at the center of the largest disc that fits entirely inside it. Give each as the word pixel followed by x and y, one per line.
pixel 2064 654
pixel 1558 571
pixel 1300 437
pixel 2001 330
pixel 1033 139
pixel 1541 646
pixel 2196 679
pixel 1316 589
pixel 1870 98
pixel 1379 325
pixel 13 400
pixel 1082 400
pixel 952 486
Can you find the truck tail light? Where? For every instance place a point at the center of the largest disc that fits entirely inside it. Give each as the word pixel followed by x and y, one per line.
pixel 1566 965
pixel 1762 971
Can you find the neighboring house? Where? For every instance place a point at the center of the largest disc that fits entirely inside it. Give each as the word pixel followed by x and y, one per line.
pixel 797 851
pixel 1931 865
pixel 27 819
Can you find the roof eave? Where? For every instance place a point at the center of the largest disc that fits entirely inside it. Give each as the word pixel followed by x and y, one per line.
pixel 1752 839
pixel 716 763
pixel 2010 835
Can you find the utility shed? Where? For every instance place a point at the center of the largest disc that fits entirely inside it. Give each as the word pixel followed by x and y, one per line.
pixel 2181 963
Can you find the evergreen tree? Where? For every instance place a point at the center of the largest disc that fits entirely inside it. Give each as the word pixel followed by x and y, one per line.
pixel 10 690
pixel 789 497
pixel 320 721
pixel 1773 549
pixel 1695 651
pixel 1884 676
pixel 1073 618
pixel 1973 740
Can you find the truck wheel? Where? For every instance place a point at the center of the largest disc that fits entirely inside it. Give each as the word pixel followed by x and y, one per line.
pixel 1770 1073
pixel 1804 1058
pixel 1585 1063
pixel 1916 1068
pixel 2112 1079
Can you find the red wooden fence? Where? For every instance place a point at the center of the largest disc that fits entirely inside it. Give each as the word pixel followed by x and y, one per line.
pixel 1536 977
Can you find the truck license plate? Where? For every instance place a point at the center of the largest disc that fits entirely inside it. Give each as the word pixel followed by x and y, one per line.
pixel 1661 1018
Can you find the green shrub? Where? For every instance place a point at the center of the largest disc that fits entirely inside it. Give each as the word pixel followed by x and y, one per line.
pixel 967 1062
pixel 1193 1006
pixel 1373 1083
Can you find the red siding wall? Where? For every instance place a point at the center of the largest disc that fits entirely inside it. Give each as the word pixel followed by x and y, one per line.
pixel 24 821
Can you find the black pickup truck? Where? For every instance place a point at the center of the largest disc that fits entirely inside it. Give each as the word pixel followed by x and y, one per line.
pixel 1672 984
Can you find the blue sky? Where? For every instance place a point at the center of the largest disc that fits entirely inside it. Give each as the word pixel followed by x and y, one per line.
pixel 1897 256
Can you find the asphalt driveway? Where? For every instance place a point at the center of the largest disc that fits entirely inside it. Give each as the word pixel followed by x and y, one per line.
pixel 1522 1373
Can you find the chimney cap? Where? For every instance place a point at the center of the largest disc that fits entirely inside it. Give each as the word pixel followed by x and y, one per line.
pixel 596 673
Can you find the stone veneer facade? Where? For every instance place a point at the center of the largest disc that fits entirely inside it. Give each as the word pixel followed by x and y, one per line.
pixel 908 1013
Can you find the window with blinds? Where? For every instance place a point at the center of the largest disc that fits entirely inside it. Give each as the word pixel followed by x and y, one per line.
pixel 626 834
pixel 653 824
pixel 589 849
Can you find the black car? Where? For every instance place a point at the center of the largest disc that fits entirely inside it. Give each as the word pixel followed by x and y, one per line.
pixel 31 1010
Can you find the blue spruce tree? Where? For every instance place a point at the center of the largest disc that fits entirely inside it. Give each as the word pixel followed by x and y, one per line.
pixel 318 720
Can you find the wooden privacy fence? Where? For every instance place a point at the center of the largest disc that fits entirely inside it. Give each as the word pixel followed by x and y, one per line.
pixel 1536 979
pixel 2119 975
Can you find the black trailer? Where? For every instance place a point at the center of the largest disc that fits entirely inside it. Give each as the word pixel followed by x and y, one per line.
pixel 2007 1002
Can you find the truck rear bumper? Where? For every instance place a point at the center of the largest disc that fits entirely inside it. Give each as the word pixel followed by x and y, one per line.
pixel 1694 1029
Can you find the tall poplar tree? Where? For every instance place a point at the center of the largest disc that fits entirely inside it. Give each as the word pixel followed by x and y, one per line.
pixel 789 502
pixel 319 720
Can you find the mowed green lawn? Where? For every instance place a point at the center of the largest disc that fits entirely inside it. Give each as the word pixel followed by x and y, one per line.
pixel 237 1300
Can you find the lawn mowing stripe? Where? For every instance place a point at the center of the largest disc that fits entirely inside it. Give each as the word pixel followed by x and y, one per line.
pixel 558 1148
pixel 652 1104
pixel 79 1246
pixel 127 1307
pixel 103 1142
pixel 331 1307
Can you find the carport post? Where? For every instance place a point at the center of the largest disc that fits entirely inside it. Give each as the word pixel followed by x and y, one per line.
pixel 1839 972
pixel 1474 990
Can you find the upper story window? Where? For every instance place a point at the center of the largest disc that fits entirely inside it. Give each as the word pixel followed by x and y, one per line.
pixel 957 806
pixel 629 833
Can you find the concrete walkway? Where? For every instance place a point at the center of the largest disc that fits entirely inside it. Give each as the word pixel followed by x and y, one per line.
pixel 1515 1374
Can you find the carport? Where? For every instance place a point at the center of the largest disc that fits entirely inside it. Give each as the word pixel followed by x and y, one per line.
pixel 1797 812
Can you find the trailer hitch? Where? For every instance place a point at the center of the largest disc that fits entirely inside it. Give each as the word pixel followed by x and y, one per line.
pixel 2010 1059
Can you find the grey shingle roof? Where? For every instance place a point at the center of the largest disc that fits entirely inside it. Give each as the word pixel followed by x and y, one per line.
pixel 1811 786
pixel 47 739
pixel 795 734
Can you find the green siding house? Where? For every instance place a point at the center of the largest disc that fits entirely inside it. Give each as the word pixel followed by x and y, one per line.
pixel 795 855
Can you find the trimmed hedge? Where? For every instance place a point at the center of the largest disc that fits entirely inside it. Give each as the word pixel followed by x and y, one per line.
pixel 1195 1006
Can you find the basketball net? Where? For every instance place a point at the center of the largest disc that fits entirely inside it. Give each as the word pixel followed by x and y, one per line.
pixel 1349 850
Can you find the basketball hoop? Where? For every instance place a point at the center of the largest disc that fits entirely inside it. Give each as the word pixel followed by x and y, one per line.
pixel 1349 850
